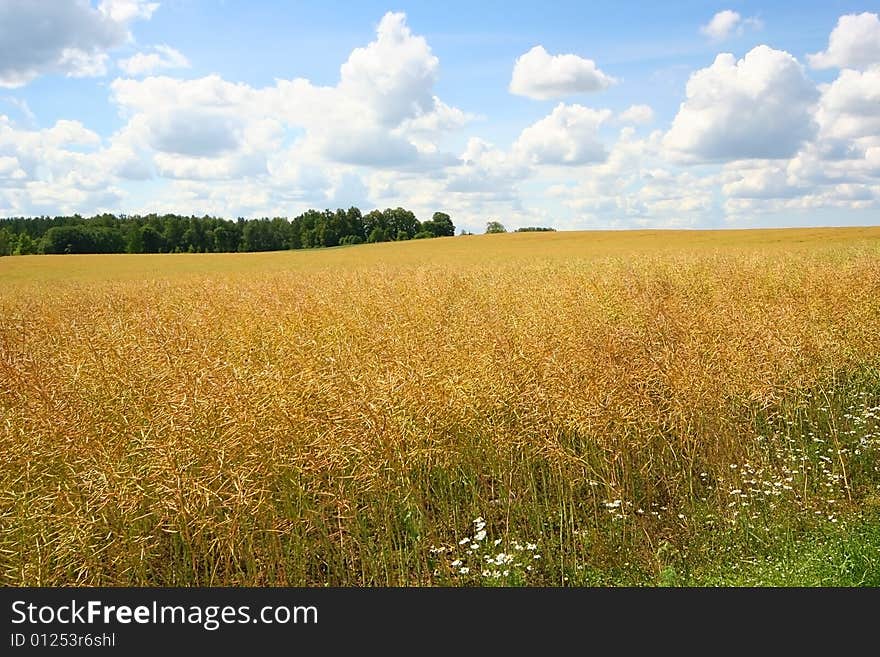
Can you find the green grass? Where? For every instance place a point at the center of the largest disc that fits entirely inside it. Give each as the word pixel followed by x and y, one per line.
pixel 844 554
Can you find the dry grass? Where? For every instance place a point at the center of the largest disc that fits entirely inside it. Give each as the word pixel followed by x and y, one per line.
pixel 342 416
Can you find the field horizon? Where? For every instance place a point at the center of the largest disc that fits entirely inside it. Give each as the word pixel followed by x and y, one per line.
pixel 573 243
pixel 644 407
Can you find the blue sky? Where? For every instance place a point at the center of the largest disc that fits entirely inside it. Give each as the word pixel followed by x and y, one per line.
pixel 568 114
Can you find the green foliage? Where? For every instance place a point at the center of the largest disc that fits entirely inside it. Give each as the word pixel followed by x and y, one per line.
pixel 151 240
pixel 443 226
pixel 402 223
pixel 495 227
pixel 83 239
pixel 261 235
pixel 170 233
pixel 535 229
pixel 26 246
pixel 378 234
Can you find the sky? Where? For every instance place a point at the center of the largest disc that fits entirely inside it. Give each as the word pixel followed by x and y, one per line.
pixel 573 115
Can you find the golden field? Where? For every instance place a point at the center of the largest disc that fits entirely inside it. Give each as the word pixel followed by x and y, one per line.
pixel 582 404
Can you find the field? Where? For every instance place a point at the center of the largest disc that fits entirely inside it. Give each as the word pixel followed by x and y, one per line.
pixel 518 409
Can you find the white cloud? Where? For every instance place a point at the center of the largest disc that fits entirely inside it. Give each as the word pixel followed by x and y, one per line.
pixel 236 149
pixel 726 23
pixel 68 37
pixel 58 169
pixel 757 107
pixel 763 180
pixel 854 43
pixel 752 136
pixel 370 147
pixel 844 197
pixel 850 106
pixel 193 128
pixel 568 135
pixel 382 113
pixel 637 114
pixel 485 169
pixel 394 75
pixel 442 118
pixel 162 57
pixel 81 64
pixel 10 168
pixel 123 11
pixel 721 25
pixel 195 133
pixel 542 76
pixel 636 187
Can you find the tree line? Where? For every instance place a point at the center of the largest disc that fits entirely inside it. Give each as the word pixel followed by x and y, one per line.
pixel 172 233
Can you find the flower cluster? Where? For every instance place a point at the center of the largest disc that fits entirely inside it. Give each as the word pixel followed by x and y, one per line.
pixel 477 559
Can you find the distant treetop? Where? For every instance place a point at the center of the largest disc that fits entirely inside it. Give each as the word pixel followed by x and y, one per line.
pixel 171 233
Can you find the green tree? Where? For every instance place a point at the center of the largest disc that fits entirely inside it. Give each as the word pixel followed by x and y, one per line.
pixel 377 235
pixel 152 240
pixel 67 239
pixel 26 246
pixel 174 228
pixel 5 242
pixel 443 226
pixel 355 223
pixel 495 227
pixel 224 239
pixel 399 222
pixel 373 220
pixel 133 241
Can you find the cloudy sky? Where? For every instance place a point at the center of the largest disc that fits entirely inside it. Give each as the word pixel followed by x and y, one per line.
pixel 569 114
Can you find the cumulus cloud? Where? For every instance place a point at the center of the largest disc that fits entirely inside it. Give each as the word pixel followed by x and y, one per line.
pixel 233 148
pixel 394 75
pixel 721 25
pixel 542 76
pixel 442 118
pixel 757 107
pixel 637 114
pixel 850 106
pixel 145 63
pixel 637 187
pixel 68 37
pixel 368 148
pixel 763 180
pixel 60 168
pixel 726 23
pixel 123 11
pixel 854 43
pixel 568 135
pixel 753 135
pixel 194 133
pixel 486 170
pixel 382 113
